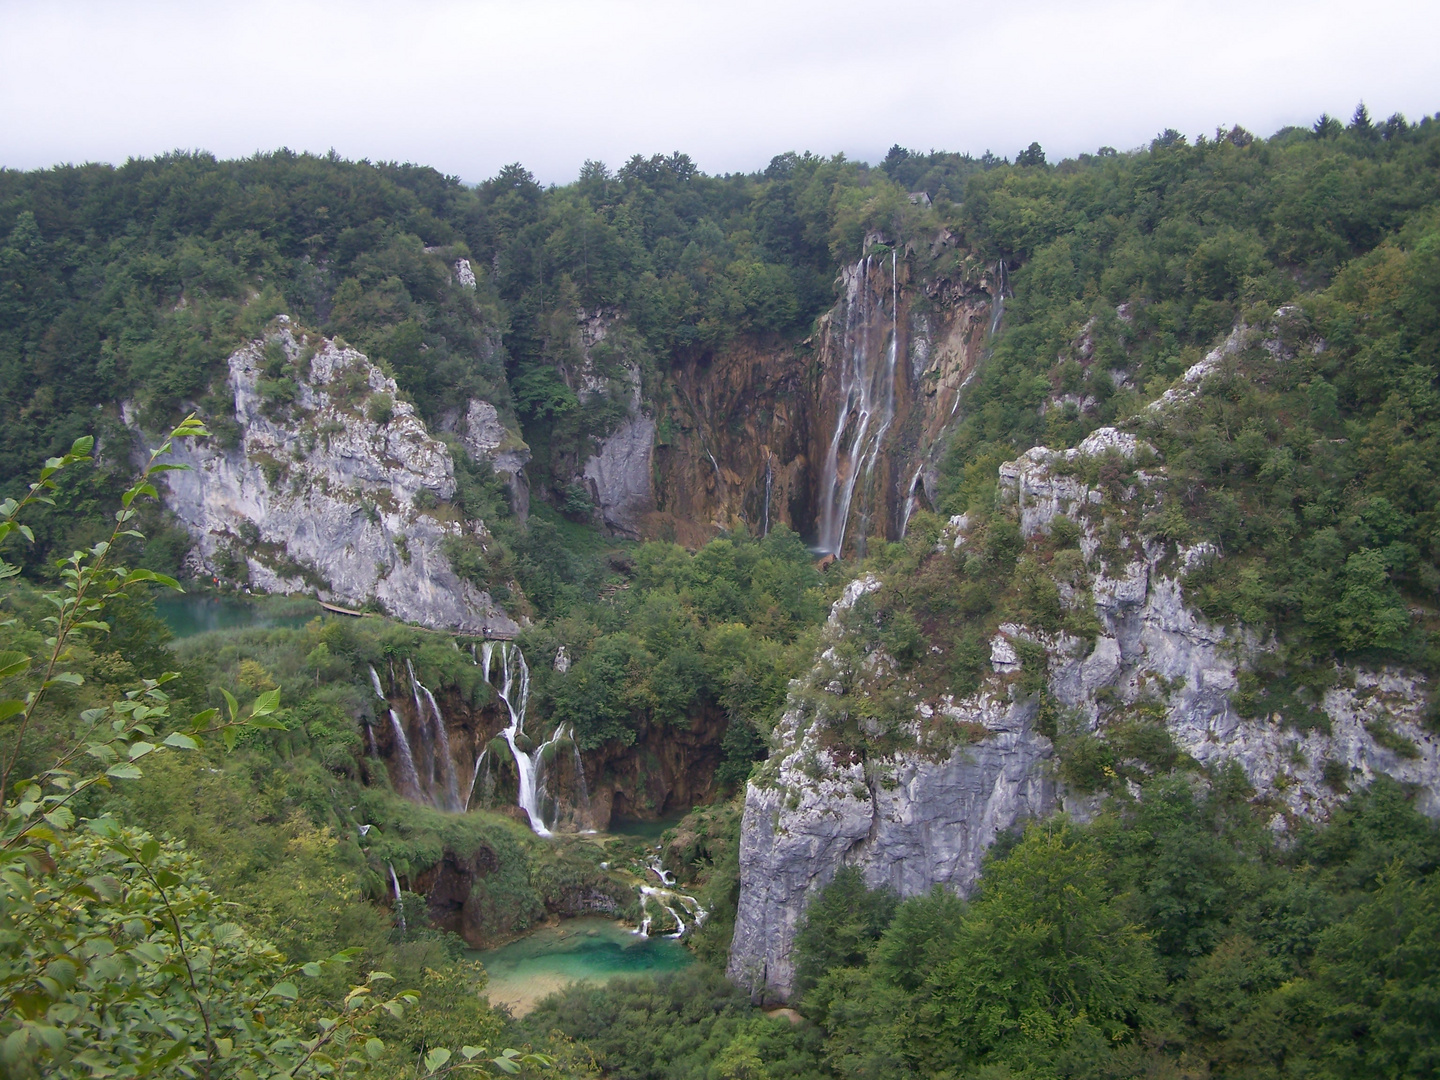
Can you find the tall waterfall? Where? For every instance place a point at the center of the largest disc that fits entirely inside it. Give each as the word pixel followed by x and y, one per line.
pixel 438 742
pixel 866 404
pixel 514 691
pixel 409 781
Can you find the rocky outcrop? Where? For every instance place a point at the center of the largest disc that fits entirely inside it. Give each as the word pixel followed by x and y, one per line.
pixel 619 476
pixel 919 811
pixel 912 820
pixel 484 437
pixel 331 486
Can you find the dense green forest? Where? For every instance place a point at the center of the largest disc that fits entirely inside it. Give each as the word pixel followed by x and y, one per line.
pixel 198 842
pixel 1171 937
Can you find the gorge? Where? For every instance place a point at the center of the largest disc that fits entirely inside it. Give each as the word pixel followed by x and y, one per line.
pixel 1008 592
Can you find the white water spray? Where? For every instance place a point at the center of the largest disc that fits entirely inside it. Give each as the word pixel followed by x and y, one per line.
pixel 439 740
pixel 514 691
pixel 409 784
pixel 769 480
pixel 474 776
pixel 399 903
pixel 867 404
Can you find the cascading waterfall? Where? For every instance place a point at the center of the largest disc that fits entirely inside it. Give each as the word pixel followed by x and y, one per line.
pixel 439 784
pixel 474 776
pixel 668 901
pixel 515 676
pixel 769 480
pixel 395 881
pixel 867 404
pixel 580 778
pixel 438 741
pixel 409 784
pixel 910 499
pixel 998 304
pixel 540 759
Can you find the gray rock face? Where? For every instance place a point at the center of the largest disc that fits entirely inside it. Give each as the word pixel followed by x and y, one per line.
pixel 321 498
pixel 619 474
pixel 486 438
pixel 920 817
pixel 914 821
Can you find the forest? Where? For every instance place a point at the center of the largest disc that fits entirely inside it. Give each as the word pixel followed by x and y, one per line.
pixel 201 858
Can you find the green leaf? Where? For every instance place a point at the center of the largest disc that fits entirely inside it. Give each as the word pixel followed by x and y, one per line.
pixel 140 749
pixel 107 827
pixel 181 742
pixel 70 678
pixel 506 1065
pixel 374 1048
pixel 13 663
pixel 266 703
pixel 61 818
pixel 231 704
pixel 203 719
pixel 11 707
pixel 124 771
pixel 437 1057
pixel 149 850
pixel 312 969
pixel 284 990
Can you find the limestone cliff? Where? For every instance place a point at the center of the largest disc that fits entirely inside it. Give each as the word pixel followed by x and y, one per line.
pixel 919 810
pixel 837 437
pixel 329 485
pixel 484 437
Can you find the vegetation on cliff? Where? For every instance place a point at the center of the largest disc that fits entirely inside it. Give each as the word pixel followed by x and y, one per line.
pixel 1174 935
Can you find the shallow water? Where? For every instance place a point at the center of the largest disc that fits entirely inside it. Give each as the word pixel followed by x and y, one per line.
pixel 553 957
pixel 642 829
pixel 187 616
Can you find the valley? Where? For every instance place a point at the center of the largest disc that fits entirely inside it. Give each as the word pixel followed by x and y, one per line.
pixel 946 618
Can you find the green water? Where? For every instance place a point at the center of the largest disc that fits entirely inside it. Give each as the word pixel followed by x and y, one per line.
pixel 642 829
pixel 187 616
pixel 553 957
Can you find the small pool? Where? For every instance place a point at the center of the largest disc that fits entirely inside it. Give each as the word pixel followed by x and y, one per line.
pixel 187 616
pixel 643 829
pixel 593 949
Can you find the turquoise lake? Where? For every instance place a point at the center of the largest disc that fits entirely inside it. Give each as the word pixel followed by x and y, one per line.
pixel 593 949
pixel 187 616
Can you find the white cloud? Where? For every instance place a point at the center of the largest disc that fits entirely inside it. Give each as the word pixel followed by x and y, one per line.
pixel 468 87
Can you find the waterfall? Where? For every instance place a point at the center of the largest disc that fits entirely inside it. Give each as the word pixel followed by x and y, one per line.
pixel 867 401
pixel 910 500
pixel 474 776
pixel 409 784
pixel 580 779
pixel 769 479
pixel 515 677
pixel 538 761
pixel 438 742
pixel 669 900
pixel 399 903
pixel 997 305
pixel 427 738
pixel 370 736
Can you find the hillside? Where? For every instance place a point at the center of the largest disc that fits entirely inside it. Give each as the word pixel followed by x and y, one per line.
pixel 1013 585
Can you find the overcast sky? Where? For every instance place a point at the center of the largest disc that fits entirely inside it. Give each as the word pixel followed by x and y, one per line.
pixel 468 87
